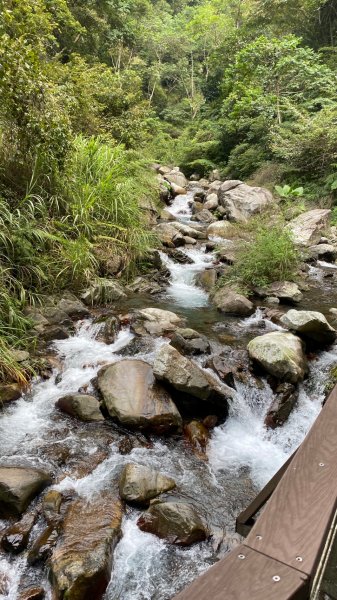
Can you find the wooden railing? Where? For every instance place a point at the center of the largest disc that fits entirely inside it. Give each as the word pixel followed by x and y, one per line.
pixel 283 553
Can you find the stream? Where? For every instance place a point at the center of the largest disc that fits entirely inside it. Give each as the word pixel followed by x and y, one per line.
pixel 242 454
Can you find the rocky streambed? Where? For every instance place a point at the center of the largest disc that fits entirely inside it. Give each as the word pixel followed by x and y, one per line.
pixel 168 408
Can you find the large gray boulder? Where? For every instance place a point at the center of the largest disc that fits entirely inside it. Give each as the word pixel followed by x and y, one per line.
pixel 186 230
pixel 133 397
pixel 280 354
pixel 80 566
pixel 230 302
pixel 139 484
pixel 82 406
pixel 187 377
pixel 103 291
pixel 212 202
pixel 155 321
pixel 177 522
pixel 242 201
pixel 169 235
pixel 188 341
pixel 309 324
pixel 308 227
pixel 176 177
pixel 222 229
pixel 18 487
pixel 285 291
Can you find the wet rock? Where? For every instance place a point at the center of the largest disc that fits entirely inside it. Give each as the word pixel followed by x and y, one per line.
pixel 176 522
pixel 176 177
pixel 198 435
pixel 285 291
pixel 207 279
pixel 32 593
pixel 51 504
pixel 134 398
pixel 272 300
pixel 82 406
pixel 223 369
pixel 188 231
pixel 310 325
pixel 15 537
pixel 42 548
pixel 203 216
pixel 188 341
pixel 81 563
pixel 280 354
pixel 54 332
pixel 197 207
pixel 307 228
pixel 179 256
pixel 185 376
pixel 169 235
pixel 242 201
pixel 109 329
pixel 222 229
pixel 155 321
pixel 189 241
pixel 127 444
pixel 9 392
pixel 230 302
pixel 141 285
pixel 73 307
pixel 139 484
pixel 103 291
pixel 18 487
pixel 325 252
pixel 211 202
pixel 56 316
pixel 286 396
pixel 210 421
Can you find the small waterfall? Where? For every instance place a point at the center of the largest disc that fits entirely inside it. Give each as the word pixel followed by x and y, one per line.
pixel 182 286
pixel 180 207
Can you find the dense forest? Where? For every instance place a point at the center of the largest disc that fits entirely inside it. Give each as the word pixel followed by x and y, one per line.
pixel 94 92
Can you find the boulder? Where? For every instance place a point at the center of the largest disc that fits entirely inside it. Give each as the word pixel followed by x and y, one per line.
pixel 310 325
pixel 222 229
pixel 9 392
pixel 32 593
pixel 203 216
pixel 51 505
pixel 286 291
pixel 81 564
pixel 103 291
pixel 230 302
pixel 207 279
pixel 198 436
pixel 280 354
pixel 56 316
pixel 188 341
pixel 189 241
pixel 176 177
pixel 169 235
pixel 307 228
pixel 141 285
pixel 134 398
pixel 185 376
pixel 18 487
pixel 186 230
pixel 82 406
pixel 139 484
pixel 176 522
pixel 177 190
pixel 155 321
pixel 179 256
pixel 286 396
pixel 325 252
pixel 43 546
pixel 15 537
pixel 212 202
pixel 53 332
pixel 223 369
pixel 242 201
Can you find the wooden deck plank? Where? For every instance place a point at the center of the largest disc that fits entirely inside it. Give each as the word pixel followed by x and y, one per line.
pixel 293 527
pixel 250 578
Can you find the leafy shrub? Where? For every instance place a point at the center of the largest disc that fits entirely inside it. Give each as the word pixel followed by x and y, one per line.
pixel 269 256
pixel 286 191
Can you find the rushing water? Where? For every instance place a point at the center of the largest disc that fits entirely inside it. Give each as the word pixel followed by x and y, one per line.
pixel 242 453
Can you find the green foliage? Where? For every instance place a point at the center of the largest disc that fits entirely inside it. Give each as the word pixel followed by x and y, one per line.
pixel 286 191
pixel 269 256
